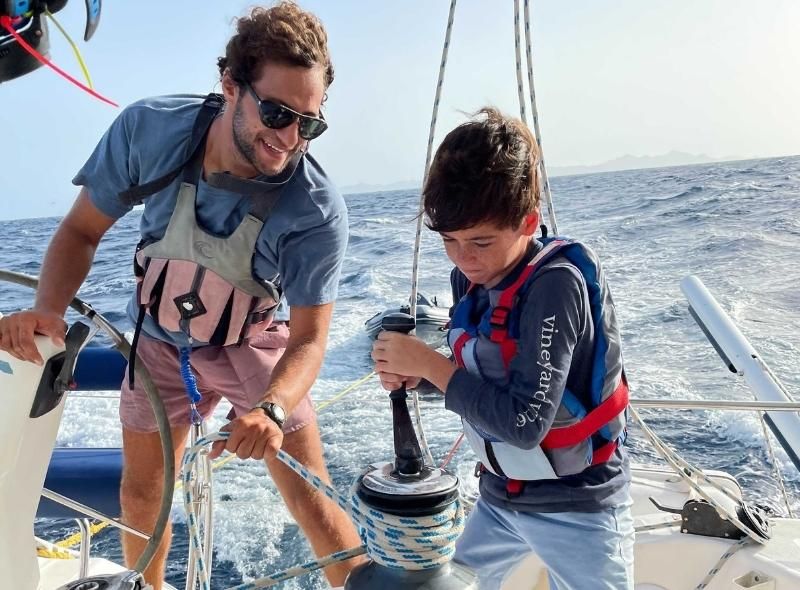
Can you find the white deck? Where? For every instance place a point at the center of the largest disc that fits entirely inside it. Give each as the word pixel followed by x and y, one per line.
pixel 666 559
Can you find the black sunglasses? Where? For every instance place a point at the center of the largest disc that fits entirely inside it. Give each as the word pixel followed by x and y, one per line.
pixel 277 116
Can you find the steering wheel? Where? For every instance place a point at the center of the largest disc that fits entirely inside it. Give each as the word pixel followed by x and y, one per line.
pixel 167 448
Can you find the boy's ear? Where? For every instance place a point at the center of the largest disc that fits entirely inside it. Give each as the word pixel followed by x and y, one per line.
pixel 530 224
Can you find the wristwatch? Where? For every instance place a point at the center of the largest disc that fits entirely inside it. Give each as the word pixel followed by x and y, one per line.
pixel 274 412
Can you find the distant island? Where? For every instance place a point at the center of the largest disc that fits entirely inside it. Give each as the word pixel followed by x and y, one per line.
pixel 363 187
pixel 626 162
pixel 629 162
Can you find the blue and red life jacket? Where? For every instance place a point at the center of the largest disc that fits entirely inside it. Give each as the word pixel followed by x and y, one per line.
pixel 589 425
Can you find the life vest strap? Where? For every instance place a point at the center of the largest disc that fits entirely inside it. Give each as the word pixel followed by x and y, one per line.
pixel 604 453
pixel 514 487
pixel 257 317
pixel 212 104
pixel 603 414
pixel 135 345
pixel 458 348
pixel 499 323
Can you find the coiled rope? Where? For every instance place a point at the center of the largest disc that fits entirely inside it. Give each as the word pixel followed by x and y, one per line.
pixel 190 383
pixel 406 543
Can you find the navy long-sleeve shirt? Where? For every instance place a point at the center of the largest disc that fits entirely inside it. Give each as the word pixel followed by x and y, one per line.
pixel 555 351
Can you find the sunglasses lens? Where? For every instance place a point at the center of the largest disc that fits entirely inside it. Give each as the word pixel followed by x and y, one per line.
pixel 312 128
pixel 275 116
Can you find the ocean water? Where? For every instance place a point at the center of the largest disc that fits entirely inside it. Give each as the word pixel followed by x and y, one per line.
pixel 735 225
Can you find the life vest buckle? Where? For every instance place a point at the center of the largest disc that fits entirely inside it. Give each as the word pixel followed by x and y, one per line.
pixel 499 317
pixel 479 469
pixel 498 321
pixel 514 487
pixel 189 305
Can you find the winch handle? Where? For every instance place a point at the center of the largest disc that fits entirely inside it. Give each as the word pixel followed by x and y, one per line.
pixel 408 460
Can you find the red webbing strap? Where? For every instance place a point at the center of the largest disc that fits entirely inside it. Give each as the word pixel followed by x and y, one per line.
pixel 458 348
pixel 591 423
pixel 604 453
pixel 507 298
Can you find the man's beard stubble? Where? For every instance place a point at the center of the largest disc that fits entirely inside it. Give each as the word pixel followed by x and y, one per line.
pixel 247 149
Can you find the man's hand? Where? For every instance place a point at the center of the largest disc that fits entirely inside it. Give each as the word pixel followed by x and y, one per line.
pixel 254 435
pixel 18 329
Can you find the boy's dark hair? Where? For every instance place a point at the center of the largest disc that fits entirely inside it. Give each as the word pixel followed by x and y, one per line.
pixel 284 34
pixel 485 170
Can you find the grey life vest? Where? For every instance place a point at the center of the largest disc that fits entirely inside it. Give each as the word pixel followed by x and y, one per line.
pixel 197 283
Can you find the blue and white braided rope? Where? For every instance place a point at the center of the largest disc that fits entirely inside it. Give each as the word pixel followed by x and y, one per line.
pixel 406 543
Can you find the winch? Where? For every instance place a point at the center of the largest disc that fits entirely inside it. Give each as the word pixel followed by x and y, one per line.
pixel 408 488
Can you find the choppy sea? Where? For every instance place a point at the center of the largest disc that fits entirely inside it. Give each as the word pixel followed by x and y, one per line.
pixel 735 225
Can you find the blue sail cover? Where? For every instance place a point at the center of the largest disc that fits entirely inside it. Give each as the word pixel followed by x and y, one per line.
pixel 90 476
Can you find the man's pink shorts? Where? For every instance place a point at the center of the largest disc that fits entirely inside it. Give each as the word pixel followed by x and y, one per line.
pixel 239 374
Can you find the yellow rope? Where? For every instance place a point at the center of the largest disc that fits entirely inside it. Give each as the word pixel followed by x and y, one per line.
pixel 75 49
pixel 75 539
pixel 345 391
pixel 53 553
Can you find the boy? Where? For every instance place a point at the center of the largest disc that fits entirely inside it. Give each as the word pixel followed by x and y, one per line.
pixel 536 374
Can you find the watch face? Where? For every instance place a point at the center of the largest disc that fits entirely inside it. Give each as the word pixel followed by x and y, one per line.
pixel 279 412
pixel 274 411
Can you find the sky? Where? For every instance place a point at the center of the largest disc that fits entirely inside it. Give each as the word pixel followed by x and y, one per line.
pixel 613 77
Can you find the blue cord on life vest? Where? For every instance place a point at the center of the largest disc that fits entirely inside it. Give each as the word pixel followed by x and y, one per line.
pixel 190 382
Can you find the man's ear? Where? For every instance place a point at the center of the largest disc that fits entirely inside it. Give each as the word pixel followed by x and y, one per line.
pixel 530 224
pixel 230 88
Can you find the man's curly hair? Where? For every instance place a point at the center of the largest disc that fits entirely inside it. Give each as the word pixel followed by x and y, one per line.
pixel 283 33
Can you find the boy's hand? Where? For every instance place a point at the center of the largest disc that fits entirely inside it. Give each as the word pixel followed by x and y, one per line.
pixel 400 355
pixel 391 382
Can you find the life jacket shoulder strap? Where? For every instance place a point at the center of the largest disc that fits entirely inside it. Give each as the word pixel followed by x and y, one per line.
pixel 501 313
pixel 212 104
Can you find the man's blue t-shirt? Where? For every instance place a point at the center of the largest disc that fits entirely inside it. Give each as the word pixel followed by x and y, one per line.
pixel 302 243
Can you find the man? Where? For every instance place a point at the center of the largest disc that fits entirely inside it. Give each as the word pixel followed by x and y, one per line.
pixel 236 215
